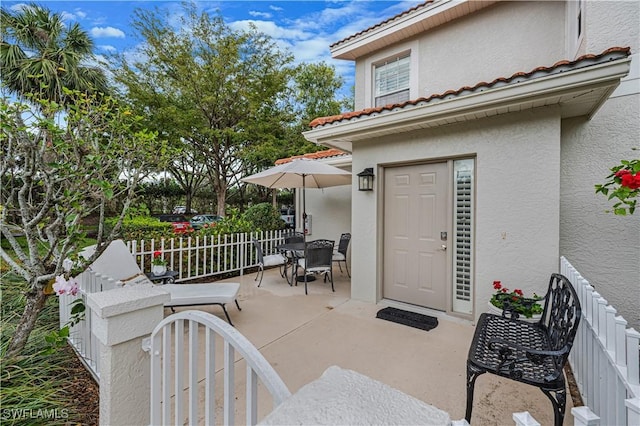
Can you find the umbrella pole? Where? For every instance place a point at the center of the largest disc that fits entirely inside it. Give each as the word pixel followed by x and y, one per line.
pixel 304 212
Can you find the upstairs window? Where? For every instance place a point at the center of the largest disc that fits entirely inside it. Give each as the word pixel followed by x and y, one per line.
pixel 575 25
pixel 391 79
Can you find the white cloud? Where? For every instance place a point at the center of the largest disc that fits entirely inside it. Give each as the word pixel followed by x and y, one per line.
pixel 106 32
pixel 107 47
pixel 276 8
pixel 18 7
pixel 80 14
pixel 264 15
pixel 272 29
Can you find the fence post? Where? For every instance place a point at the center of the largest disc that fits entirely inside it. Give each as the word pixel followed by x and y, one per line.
pixel 583 416
pixel 524 419
pixel 633 411
pixel 121 318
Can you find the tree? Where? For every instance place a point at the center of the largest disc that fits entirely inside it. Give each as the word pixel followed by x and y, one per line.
pixel 55 175
pixel 315 91
pixel 218 91
pixel 40 55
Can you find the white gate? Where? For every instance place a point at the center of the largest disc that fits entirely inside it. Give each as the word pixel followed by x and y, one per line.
pixel 188 344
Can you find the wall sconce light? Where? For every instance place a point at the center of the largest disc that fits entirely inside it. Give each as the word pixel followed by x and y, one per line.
pixel 365 180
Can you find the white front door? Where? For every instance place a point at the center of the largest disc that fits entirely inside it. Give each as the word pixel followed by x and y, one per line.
pixel 415 218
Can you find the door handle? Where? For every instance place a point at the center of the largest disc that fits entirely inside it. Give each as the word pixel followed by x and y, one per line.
pixel 443 247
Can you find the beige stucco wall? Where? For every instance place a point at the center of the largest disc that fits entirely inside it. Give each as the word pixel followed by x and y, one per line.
pixel 478 48
pixel 517 191
pixel 330 210
pixel 520 159
pixel 605 248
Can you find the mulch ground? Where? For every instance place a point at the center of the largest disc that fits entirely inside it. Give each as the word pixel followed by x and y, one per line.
pixel 82 391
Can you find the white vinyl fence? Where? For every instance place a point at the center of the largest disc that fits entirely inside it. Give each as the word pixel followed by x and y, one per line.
pixel 81 338
pixel 205 256
pixel 199 333
pixel 192 257
pixel 605 356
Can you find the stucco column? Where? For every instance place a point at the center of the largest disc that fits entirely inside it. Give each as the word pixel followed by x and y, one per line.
pixel 121 318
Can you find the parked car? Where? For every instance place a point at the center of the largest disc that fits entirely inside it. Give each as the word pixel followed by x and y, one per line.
pixel 182 210
pixel 179 222
pixel 200 220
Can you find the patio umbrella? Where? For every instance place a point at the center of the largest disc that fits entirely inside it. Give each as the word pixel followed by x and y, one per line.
pixel 301 173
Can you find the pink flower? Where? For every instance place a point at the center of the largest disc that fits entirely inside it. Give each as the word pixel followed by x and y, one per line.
pixel 64 286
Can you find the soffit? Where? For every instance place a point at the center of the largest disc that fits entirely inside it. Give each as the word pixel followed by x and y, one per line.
pixel 579 88
pixel 405 25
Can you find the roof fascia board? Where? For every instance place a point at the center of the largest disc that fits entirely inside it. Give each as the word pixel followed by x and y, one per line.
pixel 393 26
pixel 345 49
pixel 555 85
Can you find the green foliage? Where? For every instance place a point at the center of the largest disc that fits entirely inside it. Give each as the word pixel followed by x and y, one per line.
pixel 63 171
pixel 39 379
pixel 623 184
pixel 142 228
pixel 58 338
pixel 264 217
pixel 41 55
pixel 233 222
pixel 211 89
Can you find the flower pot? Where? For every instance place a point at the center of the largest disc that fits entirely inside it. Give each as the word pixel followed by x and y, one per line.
pixel 497 311
pixel 158 269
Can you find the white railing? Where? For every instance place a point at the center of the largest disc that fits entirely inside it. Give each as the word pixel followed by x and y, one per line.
pixel 192 257
pixel 605 356
pixel 205 256
pixel 81 337
pixel 174 362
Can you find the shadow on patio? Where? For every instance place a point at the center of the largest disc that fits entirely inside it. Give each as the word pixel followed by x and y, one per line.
pixel 301 336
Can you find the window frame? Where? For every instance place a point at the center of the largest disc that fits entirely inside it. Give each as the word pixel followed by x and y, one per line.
pixel 401 60
pixel 408 49
pixel 575 26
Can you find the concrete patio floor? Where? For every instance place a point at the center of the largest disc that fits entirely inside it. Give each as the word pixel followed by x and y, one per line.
pixel 301 336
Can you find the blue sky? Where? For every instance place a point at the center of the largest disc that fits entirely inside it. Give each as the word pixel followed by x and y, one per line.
pixel 305 28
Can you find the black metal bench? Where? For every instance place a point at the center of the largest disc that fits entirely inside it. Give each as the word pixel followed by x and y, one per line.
pixel 532 353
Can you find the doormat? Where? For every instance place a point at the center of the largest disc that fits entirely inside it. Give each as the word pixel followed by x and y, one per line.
pixel 412 319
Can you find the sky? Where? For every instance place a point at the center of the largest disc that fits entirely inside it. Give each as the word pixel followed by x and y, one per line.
pixel 304 28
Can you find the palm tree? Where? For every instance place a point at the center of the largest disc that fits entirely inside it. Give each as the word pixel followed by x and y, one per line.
pixel 39 54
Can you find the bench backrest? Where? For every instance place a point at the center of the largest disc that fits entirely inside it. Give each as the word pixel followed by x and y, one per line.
pixel 561 315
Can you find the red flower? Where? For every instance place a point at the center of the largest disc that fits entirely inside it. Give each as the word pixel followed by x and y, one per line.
pixel 157 253
pixel 518 292
pixel 497 285
pixel 622 172
pixel 505 290
pixel 629 180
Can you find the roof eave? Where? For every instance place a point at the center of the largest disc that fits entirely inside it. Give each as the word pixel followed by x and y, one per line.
pixel 405 26
pixel 581 92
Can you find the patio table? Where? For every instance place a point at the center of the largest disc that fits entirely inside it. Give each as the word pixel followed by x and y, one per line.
pixel 344 397
pixel 296 251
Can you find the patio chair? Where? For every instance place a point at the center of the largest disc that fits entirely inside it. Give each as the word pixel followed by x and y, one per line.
pixel 340 255
pixel 317 259
pixel 268 260
pixel 292 237
pixel 531 353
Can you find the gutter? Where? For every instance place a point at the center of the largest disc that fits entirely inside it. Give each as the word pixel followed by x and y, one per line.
pixel 546 91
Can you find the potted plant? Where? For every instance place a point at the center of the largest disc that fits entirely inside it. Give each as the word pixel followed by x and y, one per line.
pixel 523 308
pixel 158 264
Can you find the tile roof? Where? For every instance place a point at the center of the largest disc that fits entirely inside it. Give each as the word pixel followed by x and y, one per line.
pixel 612 53
pixel 386 21
pixel 314 155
